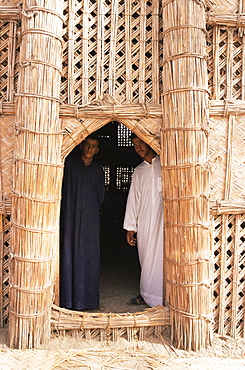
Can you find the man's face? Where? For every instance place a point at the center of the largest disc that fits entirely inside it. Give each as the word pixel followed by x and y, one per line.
pixel 89 148
pixel 140 147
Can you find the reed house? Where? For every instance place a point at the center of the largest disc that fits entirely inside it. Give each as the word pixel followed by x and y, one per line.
pixel 171 71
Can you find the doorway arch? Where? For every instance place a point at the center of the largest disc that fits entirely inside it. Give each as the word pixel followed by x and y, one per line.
pixel 76 131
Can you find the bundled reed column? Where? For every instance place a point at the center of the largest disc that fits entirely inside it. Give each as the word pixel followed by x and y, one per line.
pixel 37 174
pixel 184 152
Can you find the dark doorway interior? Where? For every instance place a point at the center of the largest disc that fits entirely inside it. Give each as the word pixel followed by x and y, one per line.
pixel 119 262
pixel 118 160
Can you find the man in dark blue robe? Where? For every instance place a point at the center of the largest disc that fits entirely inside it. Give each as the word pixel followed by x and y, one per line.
pixel 82 194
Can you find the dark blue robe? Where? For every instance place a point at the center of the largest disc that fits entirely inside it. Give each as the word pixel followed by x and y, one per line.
pixel 82 194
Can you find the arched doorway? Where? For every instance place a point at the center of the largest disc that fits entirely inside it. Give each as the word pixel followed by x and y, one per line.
pixel 120 269
pixel 118 154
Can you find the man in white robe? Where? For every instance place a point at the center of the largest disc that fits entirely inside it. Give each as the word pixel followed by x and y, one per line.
pixel 144 217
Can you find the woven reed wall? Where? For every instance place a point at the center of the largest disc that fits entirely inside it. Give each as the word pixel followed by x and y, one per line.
pixel 227 165
pixel 229 282
pixel 225 48
pixel 116 50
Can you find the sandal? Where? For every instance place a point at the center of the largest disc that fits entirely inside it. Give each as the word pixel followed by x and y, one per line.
pixel 136 301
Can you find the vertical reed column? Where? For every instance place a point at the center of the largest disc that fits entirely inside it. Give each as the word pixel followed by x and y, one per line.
pixel 128 50
pixel 142 51
pixel 37 174
pixel 155 52
pixel 113 42
pixel 85 52
pixel 11 60
pixel 100 50
pixel 71 52
pixel 216 74
pixel 184 151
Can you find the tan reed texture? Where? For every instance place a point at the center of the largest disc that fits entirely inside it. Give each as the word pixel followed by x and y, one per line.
pixel 6 162
pixel 228 277
pixel 155 52
pixel 11 60
pixel 76 130
pixel 226 160
pixel 71 52
pixel 109 325
pixel 116 50
pixel 37 174
pixel 185 176
pixel 9 12
pixel 128 52
pixel 1 264
pixel 216 108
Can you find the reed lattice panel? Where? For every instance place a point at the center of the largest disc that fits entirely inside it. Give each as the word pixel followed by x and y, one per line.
pixel 229 274
pixel 111 47
pixel 210 70
pixel 9 59
pixel 225 63
pixel 4 37
pixel 237 65
pixel 5 255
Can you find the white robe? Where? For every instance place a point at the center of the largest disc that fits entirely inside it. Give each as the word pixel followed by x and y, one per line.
pixel 144 215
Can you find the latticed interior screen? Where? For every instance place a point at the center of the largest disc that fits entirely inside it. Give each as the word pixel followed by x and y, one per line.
pixel 123 136
pixel 117 156
pixel 116 50
pixel 106 170
pixel 229 274
pixel 124 177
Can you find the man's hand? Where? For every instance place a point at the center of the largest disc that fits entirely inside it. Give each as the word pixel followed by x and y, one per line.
pixel 131 238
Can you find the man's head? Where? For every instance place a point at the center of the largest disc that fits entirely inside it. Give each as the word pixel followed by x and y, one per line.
pixel 143 149
pixel 89 147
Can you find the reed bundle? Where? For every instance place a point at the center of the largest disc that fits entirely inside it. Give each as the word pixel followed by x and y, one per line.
pixel 63 319
pixel 227 207
pixel 229 19
pixel 37 175
pixel 9 13
pixel 185 174
pixel 216 108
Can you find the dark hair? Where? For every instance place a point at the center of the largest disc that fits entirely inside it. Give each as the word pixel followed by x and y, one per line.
pixel 133 136
pixel 93 136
